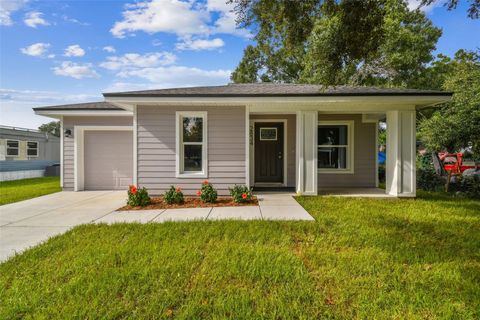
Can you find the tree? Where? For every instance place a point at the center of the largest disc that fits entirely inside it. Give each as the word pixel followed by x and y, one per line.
pixel 473 10
pixel 371 42
pixel 52 128
pixel 457 124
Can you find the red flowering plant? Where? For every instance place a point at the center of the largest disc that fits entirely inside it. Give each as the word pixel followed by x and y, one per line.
pixel 173 195
pixel 207 192
pixel 241 193
pixel 138 197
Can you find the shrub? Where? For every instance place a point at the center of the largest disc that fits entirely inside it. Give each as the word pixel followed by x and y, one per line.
pixel 207 192
pixel 427 178
pixel 138 197
pixel 470 186
pixel 241 193
pixel 173 195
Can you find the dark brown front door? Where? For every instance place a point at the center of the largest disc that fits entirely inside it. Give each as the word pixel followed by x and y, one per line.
pixel 269 152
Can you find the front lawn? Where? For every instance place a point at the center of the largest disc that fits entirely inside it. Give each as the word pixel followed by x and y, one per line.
pixel 18 190
pixel 368 258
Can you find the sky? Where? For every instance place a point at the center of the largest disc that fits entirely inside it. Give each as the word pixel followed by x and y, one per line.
pixel 60 52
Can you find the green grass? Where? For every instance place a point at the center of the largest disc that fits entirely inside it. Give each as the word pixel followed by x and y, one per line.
pixel 361 258
pixel 18 190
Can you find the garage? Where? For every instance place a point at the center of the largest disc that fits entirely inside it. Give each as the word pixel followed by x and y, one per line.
pixel 108 160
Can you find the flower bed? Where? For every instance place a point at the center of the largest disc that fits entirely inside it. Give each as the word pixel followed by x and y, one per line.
pixel 190 202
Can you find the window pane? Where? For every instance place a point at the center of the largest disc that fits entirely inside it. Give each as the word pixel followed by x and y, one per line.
pixel 32 152
pixel 12 144
pixel 332 135
pixel 12 152
pixel 32 145
pixel 192 158
pixel 332 158
pixel 192 129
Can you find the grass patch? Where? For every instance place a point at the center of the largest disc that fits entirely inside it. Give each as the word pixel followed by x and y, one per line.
pixel 361 258
pixel 18 190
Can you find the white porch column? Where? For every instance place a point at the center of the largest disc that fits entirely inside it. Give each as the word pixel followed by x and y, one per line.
pixel 306 137
pixel 401 153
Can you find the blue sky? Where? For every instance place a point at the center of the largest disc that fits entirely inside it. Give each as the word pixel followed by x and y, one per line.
pixel 57 52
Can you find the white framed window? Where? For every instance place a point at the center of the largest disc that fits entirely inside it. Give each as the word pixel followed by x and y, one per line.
pixel 335 146
pixel 268 134
pixel 32 148
pixel 191 142
pixel 12 148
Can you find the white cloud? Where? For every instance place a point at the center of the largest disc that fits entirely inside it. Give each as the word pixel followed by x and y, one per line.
pixel 7 8
pixel 41 97
pixel 76 70
pixel 226 22
pixel 172 16
pixel 200 44
pixel 34 19
pixel 415 4
pixel 74 51
pixel 134 61
pixel 109 49
pixel 75 21
pixel 178 76
pixel 36 50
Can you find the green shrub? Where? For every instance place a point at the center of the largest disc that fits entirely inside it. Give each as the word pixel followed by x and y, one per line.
pixel 469 186
pixel 207 192
pixel 173 195
pixel 427 178
pixel 138 197
pixel 241 193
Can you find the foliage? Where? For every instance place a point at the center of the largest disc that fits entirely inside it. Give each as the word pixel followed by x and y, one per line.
pixel 18 190
pixel 456 125
pixel 372 42
pixel 359 259
pixel 52 128
pixel 470 186
pixel 473 10
pixel 207 192
pixel 138 197
pixel 173 195
pixel 427 178
pixel 241 193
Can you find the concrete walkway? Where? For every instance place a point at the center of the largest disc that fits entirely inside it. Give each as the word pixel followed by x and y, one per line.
pixel 30 222
pixel 272 206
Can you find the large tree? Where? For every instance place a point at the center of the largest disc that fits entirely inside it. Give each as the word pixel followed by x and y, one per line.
pixel 52 128
pixel 457 124
pixel 376 42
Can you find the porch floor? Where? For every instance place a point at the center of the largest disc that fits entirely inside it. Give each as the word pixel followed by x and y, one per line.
pixel 354 192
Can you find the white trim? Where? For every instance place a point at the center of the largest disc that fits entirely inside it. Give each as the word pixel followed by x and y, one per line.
pixel 58 114
pixel 299 158
pixel 61 151
pixel 178 145
pixel 350 146
pixel 247 146
pixel 18 148
pixel 285 151
pixel 79 166
pixel 37 148
pixel 135 147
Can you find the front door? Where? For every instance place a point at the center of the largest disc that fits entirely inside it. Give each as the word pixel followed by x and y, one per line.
pixel 269 152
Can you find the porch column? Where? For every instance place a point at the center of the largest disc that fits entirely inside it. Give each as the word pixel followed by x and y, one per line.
pixel 306 138
pixel 401 153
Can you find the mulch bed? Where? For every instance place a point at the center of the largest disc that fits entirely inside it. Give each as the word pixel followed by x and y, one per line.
pixel 191 202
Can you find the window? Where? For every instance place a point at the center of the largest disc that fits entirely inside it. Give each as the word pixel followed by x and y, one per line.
pixel 268 134
pixel 32 148
pixel 191 144
pixel 335 147
pixel 12 147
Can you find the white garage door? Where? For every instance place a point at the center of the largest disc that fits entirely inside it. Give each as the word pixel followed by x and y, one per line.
pixel 108 160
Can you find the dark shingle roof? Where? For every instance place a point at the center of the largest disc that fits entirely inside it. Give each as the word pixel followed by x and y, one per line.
pixel 81 106
pixel 275 89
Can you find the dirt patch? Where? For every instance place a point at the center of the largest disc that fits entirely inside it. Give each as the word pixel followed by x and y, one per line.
pixel 191 202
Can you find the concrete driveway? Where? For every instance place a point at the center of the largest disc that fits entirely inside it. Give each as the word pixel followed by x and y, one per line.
pixel 27 223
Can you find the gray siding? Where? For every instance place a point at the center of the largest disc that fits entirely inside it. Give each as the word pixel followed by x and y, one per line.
pixel 68 143
pixel 291 142
pixel 364 156
pixel 156 148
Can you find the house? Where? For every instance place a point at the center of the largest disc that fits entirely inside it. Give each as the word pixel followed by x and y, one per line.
pixel 25 153
pixel 305 137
